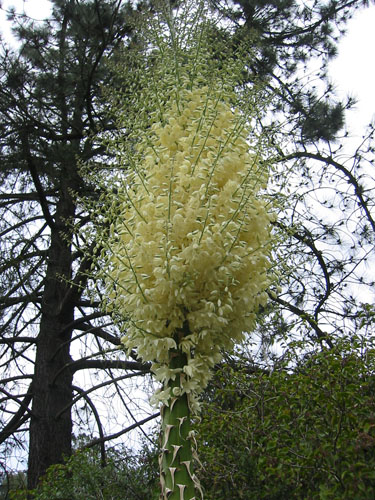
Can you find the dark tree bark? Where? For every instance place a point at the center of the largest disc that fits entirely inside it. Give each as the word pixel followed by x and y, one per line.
pixel 51 429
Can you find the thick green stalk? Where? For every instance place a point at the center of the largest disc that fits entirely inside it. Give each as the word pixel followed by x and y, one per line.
pixel 176 461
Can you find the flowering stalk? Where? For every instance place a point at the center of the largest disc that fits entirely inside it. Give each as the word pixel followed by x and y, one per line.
pixel 190 246
pixel 188 251
pixel 176 460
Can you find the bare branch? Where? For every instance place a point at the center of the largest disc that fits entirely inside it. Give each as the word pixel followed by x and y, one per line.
pixel 98 422
pixel 83 364
pixel 19 418
pixel 94 442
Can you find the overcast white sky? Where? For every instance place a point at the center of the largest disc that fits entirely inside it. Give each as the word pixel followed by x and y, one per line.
pixel 353 71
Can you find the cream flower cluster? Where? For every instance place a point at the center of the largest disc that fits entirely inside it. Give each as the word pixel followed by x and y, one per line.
pixel 191 242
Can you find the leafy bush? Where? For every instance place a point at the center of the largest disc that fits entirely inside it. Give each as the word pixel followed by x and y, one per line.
pixel 124 477
pixel 11 481
pixel 304 434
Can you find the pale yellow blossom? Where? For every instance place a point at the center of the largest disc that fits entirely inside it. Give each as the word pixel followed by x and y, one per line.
pixel 191 242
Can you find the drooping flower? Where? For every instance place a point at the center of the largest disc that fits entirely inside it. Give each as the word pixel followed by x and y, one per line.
pixel 189 249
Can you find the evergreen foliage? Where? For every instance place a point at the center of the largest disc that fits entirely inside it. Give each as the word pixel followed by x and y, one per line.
pixel 51 107
pixel 307 432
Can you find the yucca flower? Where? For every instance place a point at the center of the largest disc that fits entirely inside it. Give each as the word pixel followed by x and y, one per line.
pixel 190 246
pixel 191 243
pixel 187 258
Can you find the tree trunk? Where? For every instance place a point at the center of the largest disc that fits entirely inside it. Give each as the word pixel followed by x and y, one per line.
pixel 51 422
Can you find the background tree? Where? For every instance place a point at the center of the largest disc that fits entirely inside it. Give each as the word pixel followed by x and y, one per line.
pixel 51 108
pixel 328 219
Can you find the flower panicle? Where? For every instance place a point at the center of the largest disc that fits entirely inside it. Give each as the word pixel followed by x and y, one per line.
pixel 193 239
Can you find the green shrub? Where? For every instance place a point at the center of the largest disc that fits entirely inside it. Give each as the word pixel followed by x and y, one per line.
pixel 304 434
pixel 124 477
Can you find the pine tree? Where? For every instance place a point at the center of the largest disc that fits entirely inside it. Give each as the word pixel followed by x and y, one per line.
pixel 51 108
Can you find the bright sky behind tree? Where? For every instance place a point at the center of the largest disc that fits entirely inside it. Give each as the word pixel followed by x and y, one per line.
pixel 353 70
